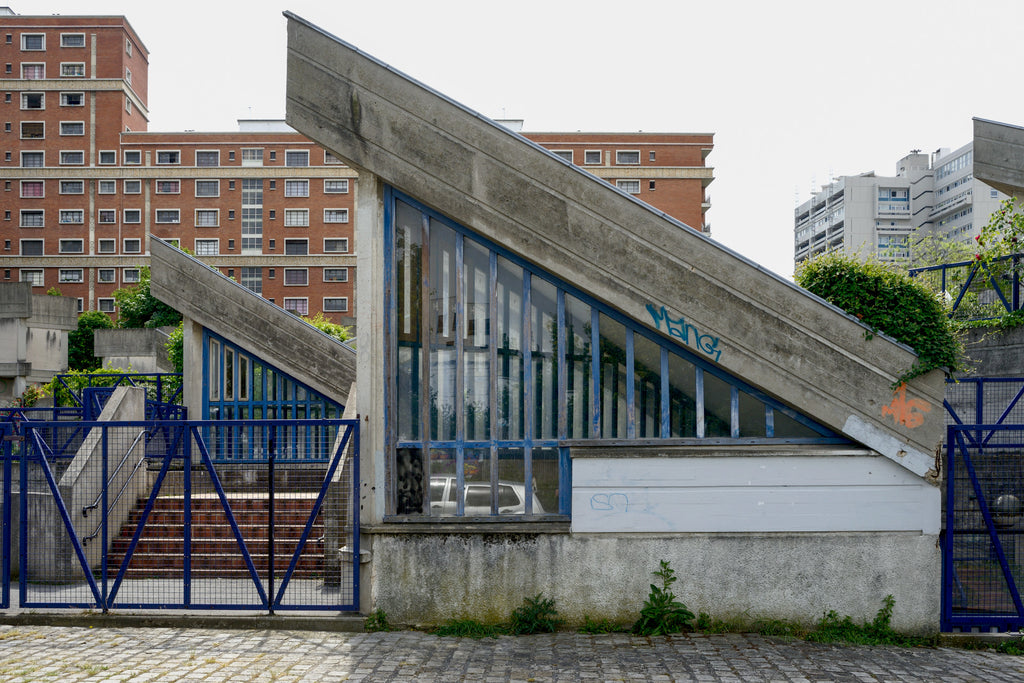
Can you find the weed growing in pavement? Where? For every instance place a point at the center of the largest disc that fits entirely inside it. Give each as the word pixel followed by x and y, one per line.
pixel 662 613
pixel 831 628
pixel 469 628
pixel 536 615
pixel 377 621
pixel 599 626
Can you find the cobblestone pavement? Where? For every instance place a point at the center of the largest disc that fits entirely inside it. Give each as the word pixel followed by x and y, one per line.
pixel 55 653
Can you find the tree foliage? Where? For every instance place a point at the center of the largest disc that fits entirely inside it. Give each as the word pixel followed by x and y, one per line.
pixel 320 322
pixel 888 301
pixel 80 340
pixel 175 346
pixel 137 307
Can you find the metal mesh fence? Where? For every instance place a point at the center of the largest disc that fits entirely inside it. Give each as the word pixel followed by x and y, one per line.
pixel 985 400
pixel 229 515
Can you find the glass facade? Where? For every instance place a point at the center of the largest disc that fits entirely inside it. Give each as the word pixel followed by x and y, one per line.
pixel 497 367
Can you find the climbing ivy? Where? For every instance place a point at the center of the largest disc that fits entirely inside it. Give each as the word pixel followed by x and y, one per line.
pixel 890 302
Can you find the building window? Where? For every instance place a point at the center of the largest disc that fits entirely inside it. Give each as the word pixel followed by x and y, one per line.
pixel 72 158
pixel 72 187
pixel 336 186
pixel 132 157
pixel 335 274
pixel 272 214
pixel 563 154
pixel 128 75
pixel 296 188
pixel 296 247
pixel 69 275
pixel 207 218
pixel 231 155
pixel 252 156
pixel 132 216
pixel 128 104
pixel 106 216
pixel 336 304
pixel 331 160
pixel 273 155
pixel 132 246
pixel 252 279
pixel 231 214
pixel 592 157
pixel 105 305
pixel 231 245
pixel 296 158
pixel 32 188
pixel 207 188
pixel 168 216
pixel 335 245
pixel 72 128
pixel 72 99
pixel 298 306
pixel 133 187
pixel 630 186
pixel 31 247
pixel 627 157
pixel 33 100
pixel 335 215
pixel 33 276
pixel 33 72
pixel 33 130
pixel 650 156
pixel 168 186
pixel 168 157
pixel 650 185
pixel 207 247
pixel 72 216
pixel 106 246
pixel 108 157
pixel 271 244
pixel 295 277
pixel 32 218
pixel 70 246
pixel 72 40
pixel 72 69
pixel 106 187
pixel 106 275
pixel 128 47
pixel 33 41
pixel 32 160
pixel 208 158
pixel 270 275
pixel 296 218
pixel 130 276
pixel 231 184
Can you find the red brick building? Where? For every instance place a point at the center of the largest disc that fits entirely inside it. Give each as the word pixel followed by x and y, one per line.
pixel 85 185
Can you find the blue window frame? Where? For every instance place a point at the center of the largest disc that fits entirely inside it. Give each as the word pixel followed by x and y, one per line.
pixel 496 368
pixel 240 386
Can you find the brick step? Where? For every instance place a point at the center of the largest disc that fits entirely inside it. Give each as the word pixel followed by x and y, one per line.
pixel 177 574
pixel 222 530
pixel 223 562
pixel 201 546
pixel 218 517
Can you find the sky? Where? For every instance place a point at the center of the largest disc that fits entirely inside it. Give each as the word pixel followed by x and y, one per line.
pixel 796 92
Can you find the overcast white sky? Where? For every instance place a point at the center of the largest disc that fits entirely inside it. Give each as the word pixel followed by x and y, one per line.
pixel 794 90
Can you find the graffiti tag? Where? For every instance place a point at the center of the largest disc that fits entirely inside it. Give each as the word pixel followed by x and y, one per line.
pixel 906 412
pixel 609 502
pixel 684 331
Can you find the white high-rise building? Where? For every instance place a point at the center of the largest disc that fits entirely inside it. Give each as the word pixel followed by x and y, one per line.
pixel 875 216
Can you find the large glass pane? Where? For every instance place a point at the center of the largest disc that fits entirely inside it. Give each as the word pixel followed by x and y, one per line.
pixel 476 340
pixel 613 378
pixel 511 479
pixel 409 481
pixel 752 416
pixel 442 279
pixel 476 471
pixel 682 393
pixel 647 387
pixel 408 304
pixel 229 374
pixel 214 369
pixel 717 407
pixel 578 366
pixel 510 350
pixel 543 347
pixel 788 428
pixel 545 478
pixel 443 487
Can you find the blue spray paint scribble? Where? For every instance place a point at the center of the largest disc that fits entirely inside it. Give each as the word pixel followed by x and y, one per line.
pixel 681 330
pixel 609 502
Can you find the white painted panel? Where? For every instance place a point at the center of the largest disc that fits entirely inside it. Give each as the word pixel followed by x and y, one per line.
pixel 742 494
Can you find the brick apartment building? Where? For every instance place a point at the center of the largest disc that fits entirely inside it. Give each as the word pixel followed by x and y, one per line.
pixel 85 185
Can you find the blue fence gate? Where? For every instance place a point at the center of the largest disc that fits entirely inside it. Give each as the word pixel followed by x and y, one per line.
pixel 253 515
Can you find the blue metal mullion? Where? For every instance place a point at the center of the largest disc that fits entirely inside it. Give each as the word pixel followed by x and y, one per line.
pixel 492 372
pixel 185 438
pixel 529 406
pixel 105 512
pixel 354 427
pixel 948 546
pixel 208 463
pixel 425 352
pixel 389 349
pixel 595 371
pixel 666 413
pixel 6 450
pixel 23 518
pixel 630 386
pixel 701 426
pixel 560 364
pixel 300 546
pixel 460 376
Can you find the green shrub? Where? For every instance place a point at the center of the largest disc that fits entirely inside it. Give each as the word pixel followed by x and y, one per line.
pixel 377 621
pixel 536 615
pixel 80 340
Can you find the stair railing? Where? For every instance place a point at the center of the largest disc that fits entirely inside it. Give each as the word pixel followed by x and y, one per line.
pixel 99 497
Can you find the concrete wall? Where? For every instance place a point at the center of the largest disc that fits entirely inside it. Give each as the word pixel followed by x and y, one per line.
pixel 999 156
pixel 33 337
pixel 429 578
pixel 140 350
pixel 995 353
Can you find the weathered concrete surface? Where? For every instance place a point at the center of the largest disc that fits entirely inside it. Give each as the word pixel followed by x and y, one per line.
pixel 785 576
pixel 999 156
pixel 141 350
pixel 222 305
pixel 752 323
pixel 33 337
pixel 995 353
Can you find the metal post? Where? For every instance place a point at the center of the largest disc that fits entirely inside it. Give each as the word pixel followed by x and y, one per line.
pixel 270 521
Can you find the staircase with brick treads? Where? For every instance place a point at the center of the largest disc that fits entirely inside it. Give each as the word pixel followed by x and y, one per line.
pixel 215 551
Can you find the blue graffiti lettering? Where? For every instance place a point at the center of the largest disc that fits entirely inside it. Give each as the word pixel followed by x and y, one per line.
pixel 681 330
pixel 609 502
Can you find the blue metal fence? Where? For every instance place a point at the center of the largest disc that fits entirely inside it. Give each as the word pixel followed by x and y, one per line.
pixel 258 515
pixel 978 291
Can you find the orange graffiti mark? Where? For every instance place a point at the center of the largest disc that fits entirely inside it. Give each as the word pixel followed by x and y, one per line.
pixel 908 413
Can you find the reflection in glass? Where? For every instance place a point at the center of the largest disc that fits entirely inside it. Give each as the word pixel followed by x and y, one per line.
pixel 578 365
pixel 613 378
pixel 717 407
pixel 510 350
pixel 545 480
pixel 543 346
pixel 647 387
pixel 752 416
pixel 442 331
pixel 512 471
pixel 476 472
pixel 682 397
pixel 443 488
pixel 408 302
pixel 476 340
